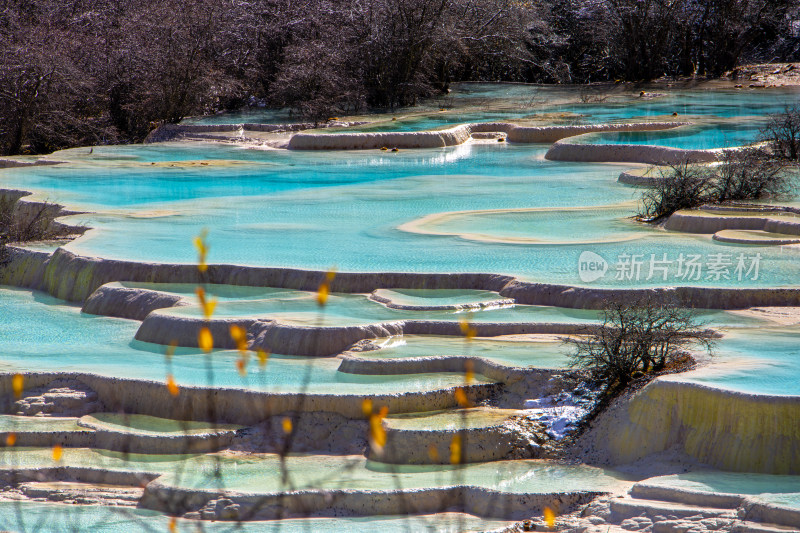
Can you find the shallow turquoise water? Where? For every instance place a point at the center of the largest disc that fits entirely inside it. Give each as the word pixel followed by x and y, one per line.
pixel 718 134
pixel 40 333
pixel 476 102
pixel 776 489
pixel 60 518
pixel 262 474
pixel 762 361
pixel 510 352
pixel 150 425
pixel 319 209
pixel 293 229
pixel 38 424
pixel 438 297
pixel 301 307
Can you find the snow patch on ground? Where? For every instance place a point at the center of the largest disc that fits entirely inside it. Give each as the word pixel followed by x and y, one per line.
pixel 560 413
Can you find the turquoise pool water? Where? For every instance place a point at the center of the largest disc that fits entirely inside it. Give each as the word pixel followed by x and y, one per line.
pixel 292 228
pixel 59 518
pixel 40 333
pixel 479 102
pixel 286 201
pixel 262 474
pixel 509 351
pixel 775 489
pixel 36 424
pixel 150 425
pixel 761 361
pixel 300 307
pixel 716 134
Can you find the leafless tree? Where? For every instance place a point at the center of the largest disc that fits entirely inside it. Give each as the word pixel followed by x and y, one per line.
pixel 78 73
pixel 681 186
pixel 782 133
pixel 749 174
pixel 637 335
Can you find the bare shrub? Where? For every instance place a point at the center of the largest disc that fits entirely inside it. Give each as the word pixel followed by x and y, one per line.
pixel 637 335
pixel 315 83
pixel 749 174
pixel 107 72
pixel 591 95
pixel 34 228
pixel 14 230
pixel 681 186
pixel 782 133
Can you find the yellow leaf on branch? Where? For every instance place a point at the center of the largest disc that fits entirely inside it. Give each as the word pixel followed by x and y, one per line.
pixel 239 336
pixel 549 517
pixel 17 384
pixel 205 340
pixel 172 387
pixel 263 357
pixel 455 450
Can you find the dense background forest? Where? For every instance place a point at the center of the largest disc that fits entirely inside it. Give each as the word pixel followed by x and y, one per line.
pixel 76 72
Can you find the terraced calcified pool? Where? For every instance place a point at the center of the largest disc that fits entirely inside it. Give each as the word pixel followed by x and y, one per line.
pixel 57 518
pixel 66 340
pixel 779 490
pixel 262 475
pixel 285 200
pixel 490 207
pixel 760 361
pixel 517 352
pixel 347 309
pixel 300 307
pixel 476 102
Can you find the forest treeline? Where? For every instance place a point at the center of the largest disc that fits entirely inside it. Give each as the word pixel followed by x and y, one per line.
pixel 78 72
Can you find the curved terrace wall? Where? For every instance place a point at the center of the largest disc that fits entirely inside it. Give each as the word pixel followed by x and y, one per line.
pixel 26 212
pixel 74 278
pixel 628 153
pixel 376 296
pixel 290 339
pixel 133 303
pixel 239 406
pixel 479 501
pixel 724 429
pixel 171 132
pixel 458 135
pixel 696 222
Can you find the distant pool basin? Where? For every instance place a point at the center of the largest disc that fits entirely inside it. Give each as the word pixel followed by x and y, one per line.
pixel 147 202
pixel 515 351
